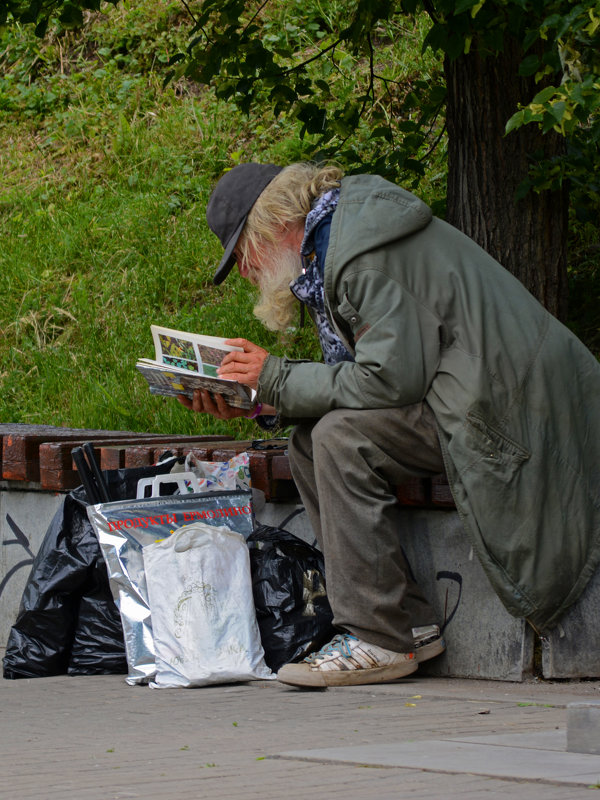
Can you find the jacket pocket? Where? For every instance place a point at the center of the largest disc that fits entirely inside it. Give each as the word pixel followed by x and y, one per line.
pixel 491 443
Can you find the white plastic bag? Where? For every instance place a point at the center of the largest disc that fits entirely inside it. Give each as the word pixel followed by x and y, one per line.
pixel 203 617
pixel 125 527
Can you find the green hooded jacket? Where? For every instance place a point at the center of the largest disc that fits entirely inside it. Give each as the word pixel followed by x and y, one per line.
pixel 431 316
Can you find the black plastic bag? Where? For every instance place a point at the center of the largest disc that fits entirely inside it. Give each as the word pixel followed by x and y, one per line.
pixel 66 610
pixel 68 622
pixel 288 583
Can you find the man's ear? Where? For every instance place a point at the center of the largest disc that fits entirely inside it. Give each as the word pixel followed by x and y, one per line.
pixel 292 237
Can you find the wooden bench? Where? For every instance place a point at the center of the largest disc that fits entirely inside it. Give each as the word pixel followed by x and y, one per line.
pixel 42 454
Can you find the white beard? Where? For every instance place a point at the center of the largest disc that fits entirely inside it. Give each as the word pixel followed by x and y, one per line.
pixel 276 307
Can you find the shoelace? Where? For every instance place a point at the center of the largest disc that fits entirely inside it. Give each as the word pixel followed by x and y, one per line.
pixel 339 644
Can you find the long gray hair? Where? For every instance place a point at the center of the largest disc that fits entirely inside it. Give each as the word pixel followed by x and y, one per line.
pixel 285 203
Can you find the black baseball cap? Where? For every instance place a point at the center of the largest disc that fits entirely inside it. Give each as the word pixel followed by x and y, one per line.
pixel 230 203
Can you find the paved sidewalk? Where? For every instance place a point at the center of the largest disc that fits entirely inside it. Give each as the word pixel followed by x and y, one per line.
pixel 96 738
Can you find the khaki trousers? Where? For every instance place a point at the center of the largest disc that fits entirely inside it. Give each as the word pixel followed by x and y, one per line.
pixel 347 466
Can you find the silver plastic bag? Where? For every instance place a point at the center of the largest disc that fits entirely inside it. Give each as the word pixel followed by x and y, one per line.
pixel 125 527
pixel 203 617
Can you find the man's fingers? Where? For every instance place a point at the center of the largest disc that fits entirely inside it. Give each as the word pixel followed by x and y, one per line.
pixel 237 358
pixel 245 344
pixel 244 367
pixel 240 366
pixel 203 403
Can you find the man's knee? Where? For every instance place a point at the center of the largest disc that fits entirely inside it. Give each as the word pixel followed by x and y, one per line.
pixel 326 435
pixel 334 426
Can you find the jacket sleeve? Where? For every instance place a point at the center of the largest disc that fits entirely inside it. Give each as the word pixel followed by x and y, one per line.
pixel 397 352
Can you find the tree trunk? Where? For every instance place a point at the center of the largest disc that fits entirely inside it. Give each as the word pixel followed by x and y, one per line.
pixel 526 236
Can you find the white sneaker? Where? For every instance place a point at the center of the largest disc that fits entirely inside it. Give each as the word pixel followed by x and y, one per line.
pixel 348 661
pixel 429 642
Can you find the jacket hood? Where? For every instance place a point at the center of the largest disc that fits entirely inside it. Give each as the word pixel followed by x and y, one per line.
pixel 372 213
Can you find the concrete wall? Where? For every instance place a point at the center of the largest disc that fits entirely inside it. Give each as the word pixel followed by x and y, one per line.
pixel 25 513
pixel 483 639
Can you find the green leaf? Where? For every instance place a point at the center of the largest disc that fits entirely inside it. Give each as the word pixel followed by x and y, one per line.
pixel 544 95
pixel 323 86
pixel 409 6
pixel 523 189
pixel 437 95
pixel 382 132
pixel 464 5
pixel 548 122
pixel 516 121
pixel 72 16
pixel 530 38
pixel 437 38
pixel 282 92
pixel 558 110
pixel 531 116
pixel 529 65
pixel 312 116
pixel 41 28
pixel 31 14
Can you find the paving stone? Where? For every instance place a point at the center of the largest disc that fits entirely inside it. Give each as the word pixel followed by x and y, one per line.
pixel 498 761
pixel 583 727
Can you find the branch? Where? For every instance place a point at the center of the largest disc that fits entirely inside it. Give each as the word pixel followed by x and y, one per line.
pixel 370 90
pixel 194 20
pixel 430 9
pixel 308 60
pixel 435 144
pixel 258 10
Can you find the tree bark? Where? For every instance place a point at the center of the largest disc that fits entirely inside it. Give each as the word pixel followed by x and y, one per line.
pixel 526 236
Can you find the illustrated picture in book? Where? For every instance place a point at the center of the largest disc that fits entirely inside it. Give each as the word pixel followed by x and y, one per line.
pixel 187 361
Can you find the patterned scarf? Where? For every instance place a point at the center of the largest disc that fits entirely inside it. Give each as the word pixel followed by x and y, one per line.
pixel 309 288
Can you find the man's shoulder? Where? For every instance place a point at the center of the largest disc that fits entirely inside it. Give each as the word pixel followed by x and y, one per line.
pixel 374 213
pixel 357 188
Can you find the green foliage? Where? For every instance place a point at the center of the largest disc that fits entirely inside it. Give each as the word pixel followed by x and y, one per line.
pixel 346 75
pixel 584 284
pixel 569 104
pixel 334 68
pixel 68 13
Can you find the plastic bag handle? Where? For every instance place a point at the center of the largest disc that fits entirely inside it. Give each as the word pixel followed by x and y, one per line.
pixel 179 478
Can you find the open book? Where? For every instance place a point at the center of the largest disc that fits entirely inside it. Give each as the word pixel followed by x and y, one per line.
pixel 188 361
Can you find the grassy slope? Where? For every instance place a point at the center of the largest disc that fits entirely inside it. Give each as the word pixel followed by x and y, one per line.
pixel 105 178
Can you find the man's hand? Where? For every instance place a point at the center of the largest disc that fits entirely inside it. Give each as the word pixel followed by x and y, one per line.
pixel 205 403
pixel 243 367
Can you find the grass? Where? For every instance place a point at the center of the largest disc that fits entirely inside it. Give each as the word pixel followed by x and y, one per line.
pixel 104 233
pixel 105 178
